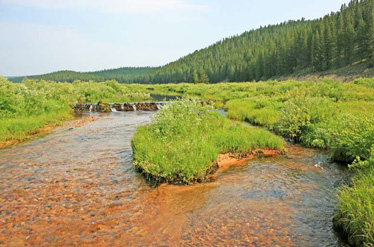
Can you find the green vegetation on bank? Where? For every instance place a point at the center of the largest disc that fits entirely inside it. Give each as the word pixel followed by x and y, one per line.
pixel 355 215
pixel 327 114
pixel 183 142
pixel 28 107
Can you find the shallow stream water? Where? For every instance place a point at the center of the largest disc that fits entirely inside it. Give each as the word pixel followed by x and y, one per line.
pixel 78 187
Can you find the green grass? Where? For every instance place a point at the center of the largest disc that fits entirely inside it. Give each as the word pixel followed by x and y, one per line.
pixel 263 111
pixel 355 211
pixel 27 107
pixel 20 129
pixel 308 112
pixel 184 140
pixel 355 215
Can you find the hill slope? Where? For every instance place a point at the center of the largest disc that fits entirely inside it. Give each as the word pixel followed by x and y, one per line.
pixel 123 75
pixel 334 41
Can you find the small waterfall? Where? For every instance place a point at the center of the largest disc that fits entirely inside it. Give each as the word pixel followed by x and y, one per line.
pixel 134 107
pixel 158 106
pixel 91 108
pixel 122 107
pixel 112 108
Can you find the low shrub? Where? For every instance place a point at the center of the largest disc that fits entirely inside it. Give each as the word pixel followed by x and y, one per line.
pixel 300 113
pixel 352 136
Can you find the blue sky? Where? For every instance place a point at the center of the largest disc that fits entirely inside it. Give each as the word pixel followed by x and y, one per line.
pixel 40 36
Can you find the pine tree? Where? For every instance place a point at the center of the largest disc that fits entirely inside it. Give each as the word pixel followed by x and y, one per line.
pixel 195 77
pixel 370 31
pixel 339 41
pixel 349 35
pixel 318 51
pixel 362 39
pixel 328 47
pixel 203 76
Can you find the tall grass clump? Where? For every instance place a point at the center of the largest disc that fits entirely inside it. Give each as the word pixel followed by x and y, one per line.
pixel 183 141
pixel 355 210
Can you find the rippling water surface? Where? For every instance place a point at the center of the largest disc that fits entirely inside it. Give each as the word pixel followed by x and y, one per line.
pixel 77 186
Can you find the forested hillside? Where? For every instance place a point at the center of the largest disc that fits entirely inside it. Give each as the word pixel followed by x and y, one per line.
pixel 123 75
pixel 334 41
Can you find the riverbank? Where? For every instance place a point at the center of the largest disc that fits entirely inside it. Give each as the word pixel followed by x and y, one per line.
pixel 227 160
pixel 18 130
pixel 47 129
pixel 35 133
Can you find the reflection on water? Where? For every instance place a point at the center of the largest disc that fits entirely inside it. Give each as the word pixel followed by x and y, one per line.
pixel 78 187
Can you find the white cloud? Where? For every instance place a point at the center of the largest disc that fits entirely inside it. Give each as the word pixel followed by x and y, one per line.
pixel 114 6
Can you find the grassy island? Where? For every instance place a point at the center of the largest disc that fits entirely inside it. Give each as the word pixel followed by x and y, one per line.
pixel 183 142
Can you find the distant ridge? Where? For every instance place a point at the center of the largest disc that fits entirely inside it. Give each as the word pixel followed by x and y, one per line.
pixel 123 75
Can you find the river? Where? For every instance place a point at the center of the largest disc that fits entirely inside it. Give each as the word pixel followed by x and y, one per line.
pixel 77 186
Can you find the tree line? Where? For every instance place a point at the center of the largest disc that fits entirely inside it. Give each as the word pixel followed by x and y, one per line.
pixel 122 75
pixel 334 41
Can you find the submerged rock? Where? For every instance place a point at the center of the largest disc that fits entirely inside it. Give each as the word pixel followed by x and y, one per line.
pixel 103 107
pixel 128 107
pixel 118 107
pixel 80 107
pixel 147 106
